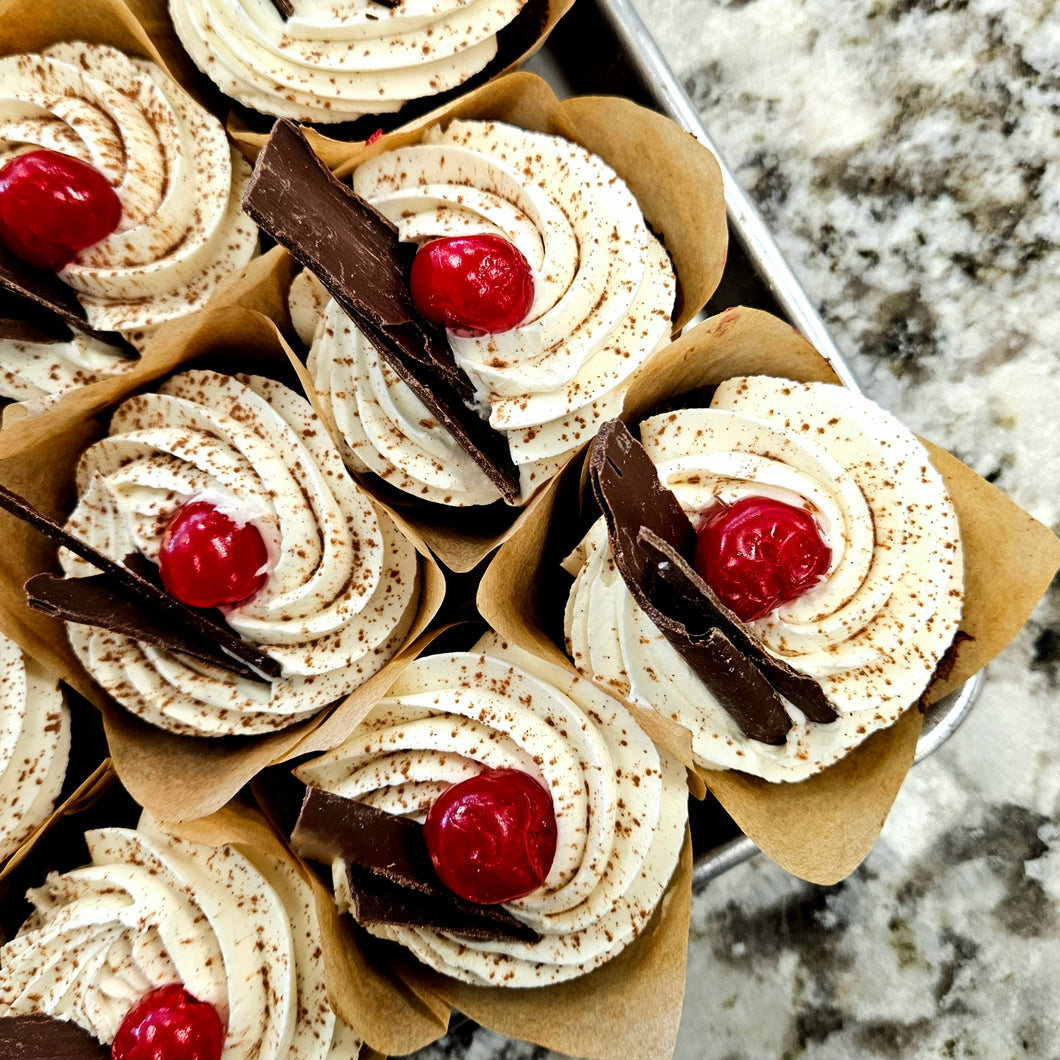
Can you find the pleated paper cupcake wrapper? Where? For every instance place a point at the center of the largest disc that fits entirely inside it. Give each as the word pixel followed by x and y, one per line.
pixel 174 776
pixel 629 1006
pixel 819 829
pixel 678 189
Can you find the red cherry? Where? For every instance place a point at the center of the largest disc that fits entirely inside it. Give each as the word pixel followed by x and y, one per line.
pixel 52 206
pixel 492 837
pixel 207 558
pixel 760 553
pixel 478 283
pixel 169 1024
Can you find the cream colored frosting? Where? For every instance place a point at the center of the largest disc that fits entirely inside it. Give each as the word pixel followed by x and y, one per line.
pixel 871 631
pixel 620 803
pixel 237 929
pixel 342 585
pixel 604 292
pixel 33 371
pixel 180 183
pixel 336 60
pixel 34 744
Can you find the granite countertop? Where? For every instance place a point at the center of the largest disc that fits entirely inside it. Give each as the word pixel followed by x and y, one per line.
pixel 906 155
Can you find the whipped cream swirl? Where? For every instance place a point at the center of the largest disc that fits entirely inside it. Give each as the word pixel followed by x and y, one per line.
pixel 342 585
pixel 180 183
pixel 620 804
pixel 34 744
pixel 237 929
pixel 871 631
pixel 34 371
pixel 336 61
pixel 604 291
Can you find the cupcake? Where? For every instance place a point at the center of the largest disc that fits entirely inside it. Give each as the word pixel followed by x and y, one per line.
pixel 600 294
pixel 229 485
pixel 782 576
pixel 532 263
pixel 542 799
pixel 114 180
pixel 34 745
pixel 185 946
pixel 327 63
pixel 823 527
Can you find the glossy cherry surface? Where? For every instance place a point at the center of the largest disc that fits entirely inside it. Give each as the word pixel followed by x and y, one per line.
pixel 492 837
pixel 169 1024
pixel 760 553
pixel 478 283
pixel 208 559
pixel 52 206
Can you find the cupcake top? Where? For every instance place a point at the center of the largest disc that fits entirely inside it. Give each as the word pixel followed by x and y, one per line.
pixel 334 587
pixel 179 182
pixel 331 62
pixel 603 291
pixel 238 930
pixel 619 803
pixel 871 620
pixel 34 744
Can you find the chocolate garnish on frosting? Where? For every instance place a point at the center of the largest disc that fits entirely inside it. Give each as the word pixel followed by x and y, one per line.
pixel 48 305
pixel 650 535
pixel 122 591
pixel 41 1037
pixel 355 253
pixel 284 7
pixel 389 872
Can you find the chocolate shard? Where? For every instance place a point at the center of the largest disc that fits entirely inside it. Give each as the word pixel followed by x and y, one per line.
pixel 695 601
pixel 131 582
pixel 389 870
pixel 354 251
pixel 284 7
pixel 48 302
pixel 26 321
pixel 40 1037
pixel 650 537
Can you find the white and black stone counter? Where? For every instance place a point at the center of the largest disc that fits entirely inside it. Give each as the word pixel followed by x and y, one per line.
pixel 906 156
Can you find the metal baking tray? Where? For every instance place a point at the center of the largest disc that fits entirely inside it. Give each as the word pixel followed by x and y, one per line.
pixel 601 47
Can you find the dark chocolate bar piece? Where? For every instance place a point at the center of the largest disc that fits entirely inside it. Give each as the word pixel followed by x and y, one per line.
pixel 40 1037
pixel 354 251
pixel 48 302
pixel 130 581
pixel 694 600
pixel 389 870
pixel 650 537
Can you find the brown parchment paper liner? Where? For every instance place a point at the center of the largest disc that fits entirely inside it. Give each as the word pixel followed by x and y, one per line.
pixel 819 829
pixel 173 776
pixel 629 1006
pixel 677 183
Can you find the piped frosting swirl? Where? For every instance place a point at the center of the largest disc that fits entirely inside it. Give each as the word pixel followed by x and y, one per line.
pixel 604 293
pixel 237 928
pixel 871 632
pixel 342 586
pixel 620 803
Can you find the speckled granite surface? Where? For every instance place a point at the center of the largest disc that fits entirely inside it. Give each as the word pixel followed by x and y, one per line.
pixel 907 157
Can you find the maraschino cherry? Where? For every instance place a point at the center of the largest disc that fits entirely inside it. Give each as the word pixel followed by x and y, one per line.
pixel 169 1024
pixel 52 206
pixel 479 283
pixel 492 837
pixel 759 553
pixel 208 559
